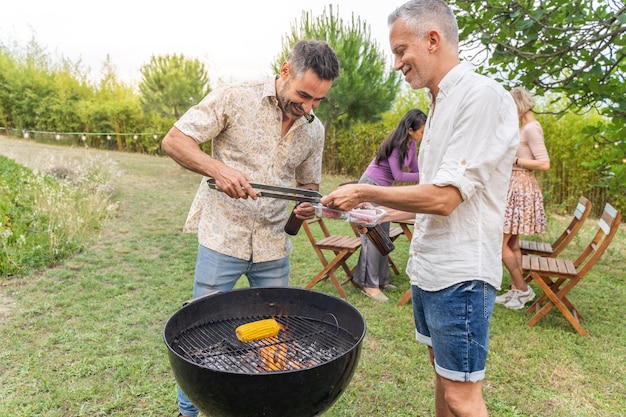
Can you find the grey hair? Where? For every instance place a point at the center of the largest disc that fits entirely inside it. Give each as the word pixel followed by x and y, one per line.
pixel 316 56
pixel 421 15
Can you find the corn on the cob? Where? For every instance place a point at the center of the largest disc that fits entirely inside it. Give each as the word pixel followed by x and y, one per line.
pixel 256 330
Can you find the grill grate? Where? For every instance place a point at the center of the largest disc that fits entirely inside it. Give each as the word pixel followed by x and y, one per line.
pixel 303 343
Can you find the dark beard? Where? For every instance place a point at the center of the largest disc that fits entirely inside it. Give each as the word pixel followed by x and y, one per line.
pixel 286 104
pixel 287 110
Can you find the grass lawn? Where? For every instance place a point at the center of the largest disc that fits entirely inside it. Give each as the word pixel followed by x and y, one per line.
pixel 85 338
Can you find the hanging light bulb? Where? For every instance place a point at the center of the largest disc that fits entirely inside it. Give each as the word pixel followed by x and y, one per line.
pixel 135 136
pixel 83 137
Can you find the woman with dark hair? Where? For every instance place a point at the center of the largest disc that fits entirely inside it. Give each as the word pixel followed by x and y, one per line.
pixel 395 161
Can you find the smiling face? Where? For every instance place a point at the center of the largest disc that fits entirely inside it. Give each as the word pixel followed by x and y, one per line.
pixel 411 55
pixel 298 95
pixel 423 55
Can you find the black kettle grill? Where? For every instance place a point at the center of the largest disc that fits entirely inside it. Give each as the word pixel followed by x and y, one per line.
pixel 301 372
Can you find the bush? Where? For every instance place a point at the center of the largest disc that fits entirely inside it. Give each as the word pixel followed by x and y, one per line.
pixel 44 219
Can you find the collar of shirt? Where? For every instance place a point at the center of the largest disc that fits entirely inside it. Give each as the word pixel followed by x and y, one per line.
pixel 269 89
pixel 452 78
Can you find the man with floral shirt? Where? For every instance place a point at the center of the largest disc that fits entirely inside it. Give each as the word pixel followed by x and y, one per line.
pixel 261 132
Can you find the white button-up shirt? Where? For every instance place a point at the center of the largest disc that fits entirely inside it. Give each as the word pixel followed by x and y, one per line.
pixel 469 142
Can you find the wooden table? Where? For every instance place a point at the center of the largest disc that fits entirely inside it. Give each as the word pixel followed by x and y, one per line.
pixel 407 227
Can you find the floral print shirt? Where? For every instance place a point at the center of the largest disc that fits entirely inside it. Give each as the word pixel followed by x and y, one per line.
pixel 244 123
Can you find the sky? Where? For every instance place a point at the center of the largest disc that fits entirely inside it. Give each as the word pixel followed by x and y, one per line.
pixel 237 40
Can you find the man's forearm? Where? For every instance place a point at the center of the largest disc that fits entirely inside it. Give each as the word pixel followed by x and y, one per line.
pixel 421 198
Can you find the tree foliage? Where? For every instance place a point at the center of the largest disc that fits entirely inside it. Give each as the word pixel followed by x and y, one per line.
pixel 366 88
pixel 355 147
pixel 171 84
pixel 515 39
pixel 43 97
pixel 8 68
pixel 114 109
pixel 573 47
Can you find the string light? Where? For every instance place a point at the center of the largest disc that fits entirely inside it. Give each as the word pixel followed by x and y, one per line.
pixel 28 134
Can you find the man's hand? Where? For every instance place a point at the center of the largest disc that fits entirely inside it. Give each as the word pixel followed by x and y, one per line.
pixel 304 211
pixel 344 198
pixel 234 183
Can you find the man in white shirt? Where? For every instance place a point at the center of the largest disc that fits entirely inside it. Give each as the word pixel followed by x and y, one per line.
pixel 465 164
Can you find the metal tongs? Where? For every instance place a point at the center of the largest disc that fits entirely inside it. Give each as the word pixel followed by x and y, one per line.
pixel 283 193
pixel 376 233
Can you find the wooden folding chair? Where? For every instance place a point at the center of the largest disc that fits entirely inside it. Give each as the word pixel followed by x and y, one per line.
pixel 342 247
pixel 406 230
pixel 529 247
pixel 557 277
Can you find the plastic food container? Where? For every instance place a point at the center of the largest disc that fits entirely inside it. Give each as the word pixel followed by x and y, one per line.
pixel 367 217
pixel 328 213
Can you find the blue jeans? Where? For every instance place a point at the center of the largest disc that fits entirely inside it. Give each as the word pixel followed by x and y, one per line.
pixel 455 323
pixel 217 272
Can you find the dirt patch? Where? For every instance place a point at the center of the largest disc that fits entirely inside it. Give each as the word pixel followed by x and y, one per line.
pixel 7 304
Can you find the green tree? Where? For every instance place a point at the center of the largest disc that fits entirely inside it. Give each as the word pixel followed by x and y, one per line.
pixel 171 84
pixel 573 47
pixel 31 88
pixel 69 89
pixel 38 94
pixel 406 100
pixel 366 87
pixel 8 71
pixel 114 112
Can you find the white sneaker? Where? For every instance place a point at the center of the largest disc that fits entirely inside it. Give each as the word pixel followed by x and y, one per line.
pixel 504 297
pixel 519 298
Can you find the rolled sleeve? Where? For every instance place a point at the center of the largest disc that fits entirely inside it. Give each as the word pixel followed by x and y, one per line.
pixel 456 178
pixel 479 143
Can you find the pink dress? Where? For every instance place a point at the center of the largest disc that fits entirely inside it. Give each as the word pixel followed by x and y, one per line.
pixel 525 213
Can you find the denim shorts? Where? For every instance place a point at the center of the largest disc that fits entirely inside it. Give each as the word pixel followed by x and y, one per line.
pixel 455 323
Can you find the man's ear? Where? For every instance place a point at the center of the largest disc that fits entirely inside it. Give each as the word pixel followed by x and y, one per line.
pixel 284 70
pixel 434 41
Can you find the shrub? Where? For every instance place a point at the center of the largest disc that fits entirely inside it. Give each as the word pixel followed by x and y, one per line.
pixel 44 219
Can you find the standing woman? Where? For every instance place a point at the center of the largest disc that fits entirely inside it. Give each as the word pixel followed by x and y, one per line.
pixel 524 212
pixel 395 161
